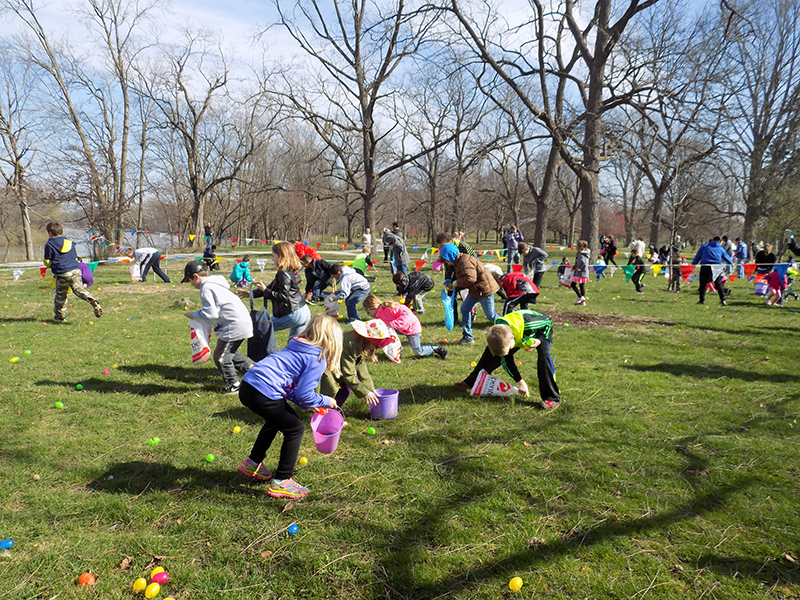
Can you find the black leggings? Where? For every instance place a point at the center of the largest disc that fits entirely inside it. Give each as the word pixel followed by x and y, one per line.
pixel 582 291
pixel 278 416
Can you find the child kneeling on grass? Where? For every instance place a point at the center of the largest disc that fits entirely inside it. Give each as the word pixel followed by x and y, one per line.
pixel 291 374
pixel 521 329
pixel 358 349
pixel 400 318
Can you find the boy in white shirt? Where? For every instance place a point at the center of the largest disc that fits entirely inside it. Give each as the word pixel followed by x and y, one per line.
pixel 354 288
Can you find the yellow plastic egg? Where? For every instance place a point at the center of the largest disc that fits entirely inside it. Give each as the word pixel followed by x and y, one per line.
pixel 473 364
pixel 303 460
pixel 237 429
pixel 139 585
pixel 156 571
pixel 515 584
pixel 152 590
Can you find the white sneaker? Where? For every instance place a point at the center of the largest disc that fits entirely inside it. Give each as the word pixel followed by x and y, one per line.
pixel 579 301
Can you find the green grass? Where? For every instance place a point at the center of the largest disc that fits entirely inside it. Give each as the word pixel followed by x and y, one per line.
pixel 671 470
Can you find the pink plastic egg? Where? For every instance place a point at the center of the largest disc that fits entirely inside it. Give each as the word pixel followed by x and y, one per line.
pixel 161 578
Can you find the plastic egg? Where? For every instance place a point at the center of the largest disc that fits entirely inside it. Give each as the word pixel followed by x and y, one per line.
pixel 86 579
pixel 79 387
pixel 371 430
pixel 237 429
pixel 13 359
pixel 515 584
pixel 139 585
pixel 156 571
pixel 473 364
pixel 59 404
pixel 106 372
pixel 303 460
pixel 160 578
pixel 293 528
pixel 151 591
pixel 6 544
pixel 210 458
pixel 114 367
pixel 26 352
pixel 153 441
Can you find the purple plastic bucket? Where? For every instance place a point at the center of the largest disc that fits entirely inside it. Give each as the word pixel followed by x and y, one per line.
pixel 326 429
pixel 387 404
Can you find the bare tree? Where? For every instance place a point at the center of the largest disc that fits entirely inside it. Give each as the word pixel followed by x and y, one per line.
pixel 560 45
pixel 765 80
pixel 16 130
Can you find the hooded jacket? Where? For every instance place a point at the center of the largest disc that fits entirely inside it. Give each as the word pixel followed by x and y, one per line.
pixel 534 259
pixel 350 280
pixel 223 309
pixel 292 373
pixel 60 256
pixel 581 268
pixel 415 283
pixel 398 247
pixel 241 270
pixel 711 253
pixel 470 272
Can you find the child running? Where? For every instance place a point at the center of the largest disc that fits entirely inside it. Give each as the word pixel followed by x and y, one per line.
pixel 401 319
pixel 639 271
pixel 580 273
pixel 521 329
pixel 292 374
pixel 358 349
pixel 60 256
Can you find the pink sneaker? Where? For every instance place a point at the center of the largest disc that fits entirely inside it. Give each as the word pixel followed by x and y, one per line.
pixel 256 471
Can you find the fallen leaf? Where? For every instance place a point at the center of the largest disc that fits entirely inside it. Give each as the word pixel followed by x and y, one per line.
pixel 125 564
pixel 266 554
pixel 208 544
pixel 175 488
pixel 790 557
pixel 526 444
pixel 289 506
pixel 178 521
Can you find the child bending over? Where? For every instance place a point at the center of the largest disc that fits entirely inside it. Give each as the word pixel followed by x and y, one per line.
pixel 413 286
pixel 401 319
pixel 521 329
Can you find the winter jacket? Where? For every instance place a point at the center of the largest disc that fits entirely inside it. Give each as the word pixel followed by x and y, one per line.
pixel 223 309
pixel 400 318
pixel 472 275
pixel 775 281
pixel 415 283
pixel 581 268
pixel 355 373
pixel 464 248
pixel 284 291
pixel 513 238
pixel 142 256
pixel 302 249
pixel 639 262
pixel 398 247
pixel 60 256
pixel 711 254
pixel 292 373
pixel 241 270
pixel 766 262
pixel 534 260
pixel 517 284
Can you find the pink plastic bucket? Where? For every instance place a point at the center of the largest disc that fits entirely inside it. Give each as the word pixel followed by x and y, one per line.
pixel 387 404
pixel 326 429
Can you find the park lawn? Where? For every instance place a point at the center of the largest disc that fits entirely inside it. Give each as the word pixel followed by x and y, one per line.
pixel 671 470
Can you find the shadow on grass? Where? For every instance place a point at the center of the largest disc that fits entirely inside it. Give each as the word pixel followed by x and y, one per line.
pixel 29 320
pixel 395 568
pixel 186 374
pixel 714 372
pixel 138 477
pixel 105 386
pixel 771 571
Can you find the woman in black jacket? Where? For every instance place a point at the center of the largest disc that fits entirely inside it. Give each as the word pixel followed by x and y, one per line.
pixel 289 309
pixel 765 259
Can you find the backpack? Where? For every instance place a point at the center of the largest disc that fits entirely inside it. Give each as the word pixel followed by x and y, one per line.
pixel 263 342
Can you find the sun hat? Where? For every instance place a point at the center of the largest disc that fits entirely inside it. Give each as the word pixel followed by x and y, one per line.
pixel 380 334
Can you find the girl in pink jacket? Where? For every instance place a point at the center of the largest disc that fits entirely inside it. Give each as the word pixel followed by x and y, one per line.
pixel 401 319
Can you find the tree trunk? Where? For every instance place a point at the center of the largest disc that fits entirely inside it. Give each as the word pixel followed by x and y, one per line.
pixel 655 222
pixel 24 213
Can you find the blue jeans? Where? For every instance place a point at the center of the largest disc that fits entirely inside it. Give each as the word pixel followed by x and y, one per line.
pixel 417 348
pixel 352 302
pixel 295 321
pixel 466 318
pixel 318 287
pixel 513 257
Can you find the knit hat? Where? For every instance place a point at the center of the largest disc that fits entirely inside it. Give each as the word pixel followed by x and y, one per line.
pixel 448 252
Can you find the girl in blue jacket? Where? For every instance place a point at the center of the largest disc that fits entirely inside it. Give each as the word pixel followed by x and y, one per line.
pixel 291 374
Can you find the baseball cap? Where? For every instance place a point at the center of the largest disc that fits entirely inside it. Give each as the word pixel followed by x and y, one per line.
pixel 195 266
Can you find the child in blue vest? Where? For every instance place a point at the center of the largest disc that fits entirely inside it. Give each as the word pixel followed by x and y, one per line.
pixel 240 276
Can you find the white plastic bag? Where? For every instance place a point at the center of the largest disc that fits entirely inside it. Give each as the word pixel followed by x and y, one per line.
pixel 332 307
pixel 135 272
pixel 489 385
pixel 199 332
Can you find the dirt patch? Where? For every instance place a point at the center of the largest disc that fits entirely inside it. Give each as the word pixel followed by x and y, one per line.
pixel 591 320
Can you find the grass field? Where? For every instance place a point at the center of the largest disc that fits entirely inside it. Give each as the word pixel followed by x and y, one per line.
pixel 671 469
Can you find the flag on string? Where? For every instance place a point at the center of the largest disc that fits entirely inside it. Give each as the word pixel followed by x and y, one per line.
pixel 262 262
pixel 420 264
pixel 717 271
pixel 782 268
pixel 133 232
pixel 318 244
pixel 234 240
pixel 516 268
pixel 191 237
pixel 548 267
pixel 657 269
pixel 599 270
pixel 42 271
pixel 732 277
pixel 92 265
pixel 357 245
pixel 629 270
pixel 749 269
pixel 424 256
pixel 686 270
pixel 344 246
pixel 611 270
pixel 18 273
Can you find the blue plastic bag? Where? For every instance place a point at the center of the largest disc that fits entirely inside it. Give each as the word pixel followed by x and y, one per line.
pixel 449 314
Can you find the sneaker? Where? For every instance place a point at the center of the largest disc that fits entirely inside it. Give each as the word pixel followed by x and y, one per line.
pixel 464 342
pixel 723 303
pixel 463 385
pixel 230 388
pixel 257 471
pixel 578 301
pixel 286 488
pixel 549 404
pixel 59 319
pixel 441 352
pixel 582 301
pixel 98 310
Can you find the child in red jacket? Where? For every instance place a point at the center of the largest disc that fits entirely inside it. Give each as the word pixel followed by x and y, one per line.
pixel 517 290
